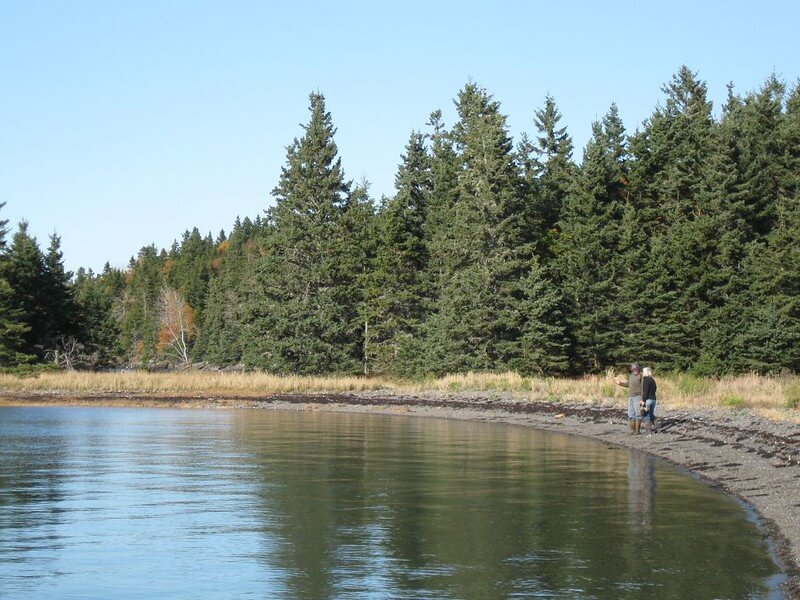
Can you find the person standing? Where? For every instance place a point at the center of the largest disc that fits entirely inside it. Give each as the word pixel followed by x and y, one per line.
pixel 634 385
pixel 649 397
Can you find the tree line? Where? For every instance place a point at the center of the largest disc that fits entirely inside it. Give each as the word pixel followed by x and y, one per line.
pixel 677 245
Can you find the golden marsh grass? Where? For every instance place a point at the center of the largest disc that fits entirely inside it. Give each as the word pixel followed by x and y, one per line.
pixel 770 395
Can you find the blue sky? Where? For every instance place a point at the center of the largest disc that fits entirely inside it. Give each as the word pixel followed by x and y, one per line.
pixel 126 123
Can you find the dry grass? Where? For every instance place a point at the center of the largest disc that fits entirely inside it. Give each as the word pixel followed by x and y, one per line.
pixel 770 395
pixel 185 382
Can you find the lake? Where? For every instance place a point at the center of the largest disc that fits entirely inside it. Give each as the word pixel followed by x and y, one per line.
pixel 175 503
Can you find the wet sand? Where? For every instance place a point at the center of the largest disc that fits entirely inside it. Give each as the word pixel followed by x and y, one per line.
pixel 753 459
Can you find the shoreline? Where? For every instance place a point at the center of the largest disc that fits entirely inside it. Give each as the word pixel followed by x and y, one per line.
pixel 751 458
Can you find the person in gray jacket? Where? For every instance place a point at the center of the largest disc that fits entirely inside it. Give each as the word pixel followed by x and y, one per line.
pixel 634 385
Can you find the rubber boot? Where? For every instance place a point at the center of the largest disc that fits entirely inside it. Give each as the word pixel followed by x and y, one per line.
pixel 638 426
pixel 631 426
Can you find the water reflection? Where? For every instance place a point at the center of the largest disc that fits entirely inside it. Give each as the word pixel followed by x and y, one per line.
pixel 311 505
pixel 641 490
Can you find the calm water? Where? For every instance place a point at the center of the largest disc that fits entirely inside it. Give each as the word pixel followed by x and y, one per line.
pixel 142 503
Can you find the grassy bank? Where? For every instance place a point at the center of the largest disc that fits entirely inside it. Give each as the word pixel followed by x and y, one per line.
pixel 778 397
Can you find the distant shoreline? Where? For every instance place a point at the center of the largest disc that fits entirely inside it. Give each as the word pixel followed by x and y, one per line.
pixel 752 458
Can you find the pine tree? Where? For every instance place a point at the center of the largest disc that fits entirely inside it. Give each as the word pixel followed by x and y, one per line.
pixel 483 251
pixel 542 347
pixel 588 257
pixel 138 306
pixel 98 328
pixel 61 307
pixel 396 289
pixel 26 277
pixel 221 330
pixel 298 318
pixel 669 192
pixel 13 329
pixel 769 337
pixel 553 170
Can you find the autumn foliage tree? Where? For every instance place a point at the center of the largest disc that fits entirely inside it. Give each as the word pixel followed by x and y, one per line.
pixel 176 326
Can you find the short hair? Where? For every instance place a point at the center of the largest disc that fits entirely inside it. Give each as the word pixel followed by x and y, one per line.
pixel 647 372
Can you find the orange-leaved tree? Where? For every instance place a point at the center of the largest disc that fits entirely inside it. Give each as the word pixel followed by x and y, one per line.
pixel 176 325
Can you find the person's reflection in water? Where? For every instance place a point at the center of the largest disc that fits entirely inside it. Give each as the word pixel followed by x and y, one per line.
pixel 641 490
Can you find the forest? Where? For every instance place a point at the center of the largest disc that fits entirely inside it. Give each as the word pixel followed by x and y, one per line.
pixel 676 245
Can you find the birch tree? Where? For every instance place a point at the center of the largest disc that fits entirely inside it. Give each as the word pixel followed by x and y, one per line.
pixel 176 325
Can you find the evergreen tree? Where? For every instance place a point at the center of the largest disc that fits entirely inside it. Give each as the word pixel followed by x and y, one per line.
pixel 220 334
pixel 26 277
pixel 13 329
pixel 484 251
pixel 60 302
pixel 552 169
pixel 790 161
pixel 728 225
pixel 543 345
pixel 299 320
pixel 439 233
pixel 396 289
pixel 358 246
pixel 676 247
pixel 588 257
pixel 189 267
pixel 769 335
pixel 138 306
pixel 669 192
pixel 94 314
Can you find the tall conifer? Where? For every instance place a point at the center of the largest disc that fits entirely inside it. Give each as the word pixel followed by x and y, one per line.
pixel 13 329
pixel 484 253
pixel 298 316
pixel 397 290
pixel 588 249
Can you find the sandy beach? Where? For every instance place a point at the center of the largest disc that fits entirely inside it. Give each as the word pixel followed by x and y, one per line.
pixel 751 458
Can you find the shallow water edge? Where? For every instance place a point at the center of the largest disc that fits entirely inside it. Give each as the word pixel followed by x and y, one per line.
pixel 752 459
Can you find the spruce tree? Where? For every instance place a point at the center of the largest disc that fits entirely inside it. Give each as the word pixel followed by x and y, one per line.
pixel 98 327
pixel 26 277
pixel 138 306
pixel 769 336
pixel 543 345
pixel 790 133
pixel 222 326
pixel 588 257
pixel 298 318
pixel 550 160
pixel 357 246
pixel 60 302
pixel 189 267
pixel 13 329
pixel 396 289
pixel 669 192
pixel 442 199
pixel 483 252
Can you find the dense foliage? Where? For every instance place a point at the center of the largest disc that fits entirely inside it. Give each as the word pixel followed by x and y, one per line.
pixel 676 246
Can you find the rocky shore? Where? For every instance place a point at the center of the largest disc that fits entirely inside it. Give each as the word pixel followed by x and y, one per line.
pixel 753 459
